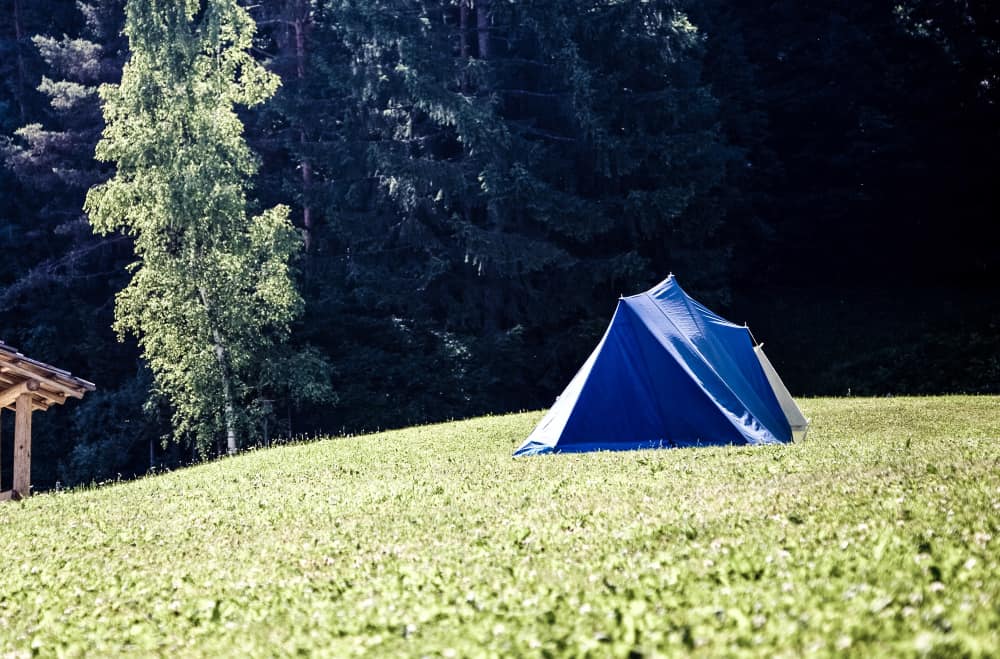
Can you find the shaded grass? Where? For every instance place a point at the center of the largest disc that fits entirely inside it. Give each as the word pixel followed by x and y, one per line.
pixel 878 534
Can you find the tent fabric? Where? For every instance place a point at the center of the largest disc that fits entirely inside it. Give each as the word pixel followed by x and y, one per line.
pixel 796 419
pixel 667 373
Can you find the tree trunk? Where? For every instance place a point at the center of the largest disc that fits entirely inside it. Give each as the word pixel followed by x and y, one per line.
pixel 483 27
pixel 463 45
pixel 21 72
pixel 463 31
pixel 227 393
pixel 300 23
pixel 307 216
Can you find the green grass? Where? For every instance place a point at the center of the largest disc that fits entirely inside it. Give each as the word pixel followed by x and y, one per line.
pixel 880 534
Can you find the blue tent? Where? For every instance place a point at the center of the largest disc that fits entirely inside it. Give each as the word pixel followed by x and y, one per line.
pixel 669 372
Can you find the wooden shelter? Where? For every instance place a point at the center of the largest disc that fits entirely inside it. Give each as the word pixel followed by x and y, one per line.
pixel 27 385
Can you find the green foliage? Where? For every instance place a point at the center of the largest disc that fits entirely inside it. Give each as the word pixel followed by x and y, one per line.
pixel 212 290
pixel 874 536
pixel 114 431
pixel 58 280
pixel 483 179
pixel 553 149
pixel 484 192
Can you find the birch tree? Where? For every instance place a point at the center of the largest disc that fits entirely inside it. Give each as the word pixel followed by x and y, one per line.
pixel 211 291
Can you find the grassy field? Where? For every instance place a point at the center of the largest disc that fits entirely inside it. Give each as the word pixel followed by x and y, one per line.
pixel 879 534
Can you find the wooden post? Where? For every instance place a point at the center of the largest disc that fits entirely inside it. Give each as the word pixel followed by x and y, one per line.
pixel 22 447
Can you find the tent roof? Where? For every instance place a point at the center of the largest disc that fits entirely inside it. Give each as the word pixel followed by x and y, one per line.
pixel 47 384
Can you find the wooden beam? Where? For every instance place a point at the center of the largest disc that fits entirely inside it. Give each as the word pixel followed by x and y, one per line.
pixel 42 400
pixel 9 396
pixel 22 446
pixel 57 397
pixel 51 382
pixel 36 405
pixel 6 496
pixel 48 398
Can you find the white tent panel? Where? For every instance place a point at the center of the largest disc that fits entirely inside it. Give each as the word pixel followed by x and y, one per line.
pixel 551 426
pixel 796 420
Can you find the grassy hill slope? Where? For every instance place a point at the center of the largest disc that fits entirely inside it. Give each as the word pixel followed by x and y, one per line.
pixel 880 533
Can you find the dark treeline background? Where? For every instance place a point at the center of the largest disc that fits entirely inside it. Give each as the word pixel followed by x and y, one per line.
pixel 476 183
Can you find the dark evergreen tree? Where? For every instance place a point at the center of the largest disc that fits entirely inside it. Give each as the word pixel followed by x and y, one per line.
pixel 57 296
pixel 486 175
pixel 476 179
pixel 959 119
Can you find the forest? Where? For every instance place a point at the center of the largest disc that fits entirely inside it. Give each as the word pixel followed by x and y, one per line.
pixel 437 203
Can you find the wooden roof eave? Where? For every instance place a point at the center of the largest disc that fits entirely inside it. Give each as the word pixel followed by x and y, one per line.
pixel 27 385
pixel 15 367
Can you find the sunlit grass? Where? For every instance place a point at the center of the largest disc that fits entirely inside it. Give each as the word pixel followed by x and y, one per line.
pixel 877 534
